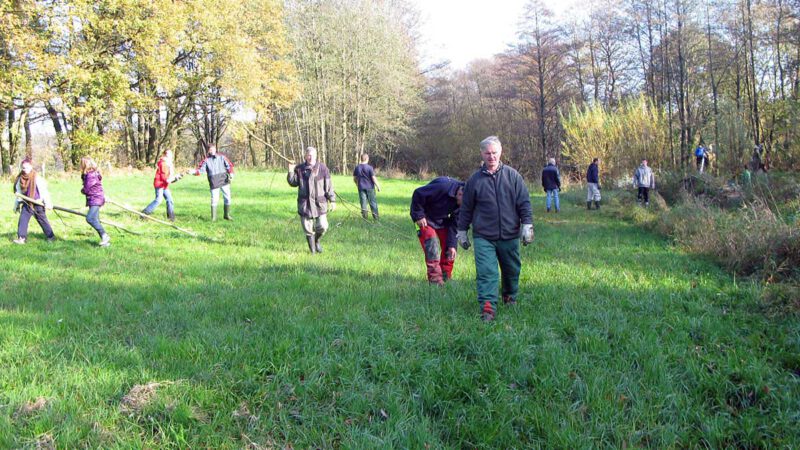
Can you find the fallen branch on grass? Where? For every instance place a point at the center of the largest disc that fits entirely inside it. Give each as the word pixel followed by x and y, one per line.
pixel 141 214
pixel 77 213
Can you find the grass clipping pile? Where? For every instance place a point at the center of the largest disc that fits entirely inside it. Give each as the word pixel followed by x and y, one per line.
pixel 138 398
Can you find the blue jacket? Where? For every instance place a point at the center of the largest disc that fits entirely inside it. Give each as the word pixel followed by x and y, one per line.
pixel 593 174
pixel 551 179
pixel 436 202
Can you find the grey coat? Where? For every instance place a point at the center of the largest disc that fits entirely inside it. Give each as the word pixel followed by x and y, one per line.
pixel 643 177
pixel 315 189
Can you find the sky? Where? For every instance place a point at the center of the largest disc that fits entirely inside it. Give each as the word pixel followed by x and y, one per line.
pixel 463 30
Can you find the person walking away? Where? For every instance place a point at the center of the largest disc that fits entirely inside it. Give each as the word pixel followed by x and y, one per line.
pixel 315 197
pixel 551 182
pixel 219 170
pixel 644 180
pixel 30 184
pixel 95 197
pixel 165 175
pixel 434 209
pixel 364 178
pixel 497 206
pixel 593 184
pixel 700 157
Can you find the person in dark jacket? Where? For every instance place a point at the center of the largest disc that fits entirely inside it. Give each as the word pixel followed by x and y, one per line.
pixel 434 208
pixel 551 182
pixel 219 170
pixel 364 178
pixel 497 206
pixel 95 197
pixel 315 197
pixel 593 184
pixel 30 184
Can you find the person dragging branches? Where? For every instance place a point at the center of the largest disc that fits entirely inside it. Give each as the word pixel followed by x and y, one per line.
pixel 315 197
pixel 219 170
pixel 497 206
pixel 95 197
pixel 30 184
pixel 434 208
pixel 165 175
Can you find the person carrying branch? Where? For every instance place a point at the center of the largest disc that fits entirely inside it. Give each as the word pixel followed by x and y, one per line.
pixel 364 178
pixel 95 197
pixel 30 184
pixel 315 197
pixel 434 208
pixel 219 170
pixel 497 205
pixel 165 175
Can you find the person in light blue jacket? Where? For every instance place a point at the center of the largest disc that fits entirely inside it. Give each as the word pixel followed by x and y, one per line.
pixel 644 180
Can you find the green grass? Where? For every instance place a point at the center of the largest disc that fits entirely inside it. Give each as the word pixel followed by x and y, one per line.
pixel 619 339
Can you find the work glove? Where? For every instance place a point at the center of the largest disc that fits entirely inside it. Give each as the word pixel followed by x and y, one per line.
pixel 527 233
pixel 17 207
pixel 230 176
pixel 463 239
pixel 332 206
pixel 48 205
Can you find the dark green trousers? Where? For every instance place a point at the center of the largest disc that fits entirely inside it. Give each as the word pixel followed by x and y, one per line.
pixel 490 254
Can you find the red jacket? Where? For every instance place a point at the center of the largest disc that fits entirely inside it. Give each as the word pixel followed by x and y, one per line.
pixel 163 174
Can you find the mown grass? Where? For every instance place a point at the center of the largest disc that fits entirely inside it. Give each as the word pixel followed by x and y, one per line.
pixel 619 339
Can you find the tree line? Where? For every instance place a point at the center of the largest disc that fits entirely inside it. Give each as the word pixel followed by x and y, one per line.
pixel 616 79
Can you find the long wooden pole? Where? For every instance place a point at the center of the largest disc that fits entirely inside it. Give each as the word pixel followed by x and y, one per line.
pixel 77 213
pixel 253 135
pixel 141 214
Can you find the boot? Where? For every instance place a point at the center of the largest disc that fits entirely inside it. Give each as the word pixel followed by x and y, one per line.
pixel 364 215
pixel 375 216
pixel 589 205
pixel 213 213
pixel 227 209
pixel 317 244
pixel 312 246
pixel 597 204
pixel 171 216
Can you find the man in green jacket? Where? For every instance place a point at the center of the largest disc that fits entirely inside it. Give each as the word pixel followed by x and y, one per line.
pixel 497 206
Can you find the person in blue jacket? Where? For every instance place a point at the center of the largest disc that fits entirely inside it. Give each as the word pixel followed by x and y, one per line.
pixel 434 208
pixel 551 182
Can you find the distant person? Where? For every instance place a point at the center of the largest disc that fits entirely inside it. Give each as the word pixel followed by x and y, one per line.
pixel 219 170
pixel 593 184
pixel 700 157
pixel 315 197
pixel 32 185
pixel 551 182
pixel 746 177
pixel 497 206
pixel 165 175
pixel 364 178
pixel 95 197
pixel 644 180
pixel 434 208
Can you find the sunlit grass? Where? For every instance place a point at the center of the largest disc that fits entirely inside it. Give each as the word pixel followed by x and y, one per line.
pixel 618 339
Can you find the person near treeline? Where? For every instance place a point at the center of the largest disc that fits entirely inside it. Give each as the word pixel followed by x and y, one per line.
pixel 551 182
pixel 644 180
pixel 700 157
pixel 165 175
pixel 434 208
pixel 95 197
pixel 219 170
pixel 593 184
pixel 364 178
pixel 30 184
pixel 315 197
pixel 497 205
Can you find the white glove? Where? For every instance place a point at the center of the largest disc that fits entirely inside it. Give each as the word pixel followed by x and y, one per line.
pixel 17 207
pixel 527 233
pixel 332 206
pixel 463 239
pixel 48 205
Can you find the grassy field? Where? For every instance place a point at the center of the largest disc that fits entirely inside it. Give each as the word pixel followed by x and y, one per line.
pixel 244 340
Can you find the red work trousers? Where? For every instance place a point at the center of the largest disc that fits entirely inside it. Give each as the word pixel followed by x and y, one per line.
pixel 433 241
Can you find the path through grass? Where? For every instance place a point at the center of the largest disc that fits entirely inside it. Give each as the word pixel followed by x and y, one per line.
pixel 618 339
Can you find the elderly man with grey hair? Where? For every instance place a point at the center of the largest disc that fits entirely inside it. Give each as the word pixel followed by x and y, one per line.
pixel 315 197
pixel 497 206
pixel 551 182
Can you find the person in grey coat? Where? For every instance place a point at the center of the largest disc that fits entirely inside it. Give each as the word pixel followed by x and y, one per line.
pixel 644 180
pixel 315 197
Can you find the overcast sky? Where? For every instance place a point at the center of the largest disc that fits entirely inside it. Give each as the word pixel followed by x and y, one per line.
pixel 463 30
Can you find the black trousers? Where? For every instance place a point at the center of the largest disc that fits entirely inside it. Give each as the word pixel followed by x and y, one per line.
pixel 644 194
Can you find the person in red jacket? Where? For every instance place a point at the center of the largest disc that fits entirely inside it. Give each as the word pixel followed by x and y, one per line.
pixel 165 174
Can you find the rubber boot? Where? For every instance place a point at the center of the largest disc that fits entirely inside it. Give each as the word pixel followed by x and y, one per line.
pixel 213 213
pixel 312 246
pixel 317 244
pixel 375 216
pixel 589 205
pixel 364 215
pixel 227 209
pixel 597 204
